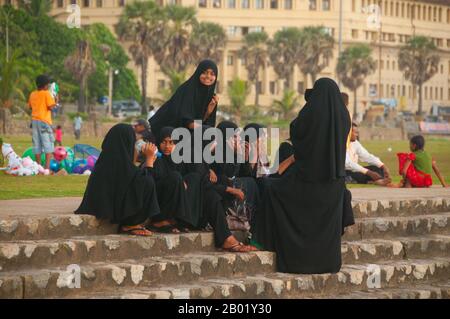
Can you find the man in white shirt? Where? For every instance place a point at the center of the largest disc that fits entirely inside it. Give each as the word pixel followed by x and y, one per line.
pixel 376 172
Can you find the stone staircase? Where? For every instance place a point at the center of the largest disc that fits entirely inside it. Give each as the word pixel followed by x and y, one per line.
pixel 404 241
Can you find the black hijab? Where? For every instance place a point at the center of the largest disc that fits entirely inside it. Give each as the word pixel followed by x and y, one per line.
pixel 116 188
pixel 224 167
pixel 189 103
pixel 319 134
pixel 164 133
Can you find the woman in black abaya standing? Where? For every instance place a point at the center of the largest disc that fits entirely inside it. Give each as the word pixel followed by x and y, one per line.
pixel 117 190
pixel 194 100
pixel 301 214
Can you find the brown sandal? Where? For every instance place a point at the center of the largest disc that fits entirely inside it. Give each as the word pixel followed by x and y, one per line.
pixel 240 248
pixel 137 231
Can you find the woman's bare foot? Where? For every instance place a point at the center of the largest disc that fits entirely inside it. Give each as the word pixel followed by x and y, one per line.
pixel 166 226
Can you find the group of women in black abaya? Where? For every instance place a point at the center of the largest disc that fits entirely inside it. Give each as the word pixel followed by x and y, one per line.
pixel 300 212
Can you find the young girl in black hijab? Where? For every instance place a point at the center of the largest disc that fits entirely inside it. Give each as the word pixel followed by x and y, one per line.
pixel 302 213
pixel 119 191
pixel 194 100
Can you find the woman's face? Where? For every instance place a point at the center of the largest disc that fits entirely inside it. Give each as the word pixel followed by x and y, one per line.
pixel 167 146
pixel 208 77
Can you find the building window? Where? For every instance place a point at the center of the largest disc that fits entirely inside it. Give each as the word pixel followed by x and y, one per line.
pixel 300 87
pixel 255 29
pixel 259 87
pixel 244 30
pixel 288 4
pixel 245 4
pixel 121 3
pixel 272 87
pixel 231 4
pixel 273 4
pixel 312 5
pixel 326 5
pixel 217 3
pixel 259 4
pixel 232 31
pixel 86 3
pixel 202 3
pixel 73 2
pixel 353 5
pixel 230 60
pixel 60 3
pixel 329 31
pixel 355 34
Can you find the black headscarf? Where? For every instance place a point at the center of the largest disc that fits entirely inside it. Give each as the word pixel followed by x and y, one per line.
pixel 116 189
pixel 319 134
pixel 189 103
pixel 224 167
pixel 164 133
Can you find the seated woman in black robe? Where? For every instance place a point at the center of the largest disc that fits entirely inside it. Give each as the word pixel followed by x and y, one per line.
pixel 119 191
pixel 170 187
pixel 235 180
pixel 194 100
pixel 301 215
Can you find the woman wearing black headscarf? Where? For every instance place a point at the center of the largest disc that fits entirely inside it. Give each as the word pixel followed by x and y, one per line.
pixel 301 215
pixel 170 186
pixel 194 100
pixel 119 191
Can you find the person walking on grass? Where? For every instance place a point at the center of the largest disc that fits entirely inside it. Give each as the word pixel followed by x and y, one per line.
pixel 77 123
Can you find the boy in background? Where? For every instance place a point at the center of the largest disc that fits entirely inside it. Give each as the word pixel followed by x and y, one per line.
pixel 41 103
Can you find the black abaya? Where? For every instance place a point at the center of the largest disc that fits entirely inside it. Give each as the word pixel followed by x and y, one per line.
pixel 301 215
pixel 189 103
pixel 117 190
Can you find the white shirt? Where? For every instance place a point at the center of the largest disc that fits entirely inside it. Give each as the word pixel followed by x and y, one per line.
pixel 355 153
pixel 77 123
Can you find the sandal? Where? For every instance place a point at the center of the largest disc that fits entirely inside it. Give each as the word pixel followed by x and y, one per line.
pixel 137 231
pixel 240 248
pixel 167 229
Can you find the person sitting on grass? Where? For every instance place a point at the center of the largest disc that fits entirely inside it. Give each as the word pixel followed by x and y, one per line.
pixel 376 173
pixel 416 167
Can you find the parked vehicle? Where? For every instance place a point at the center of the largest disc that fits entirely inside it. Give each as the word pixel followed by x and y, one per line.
pixel 126 108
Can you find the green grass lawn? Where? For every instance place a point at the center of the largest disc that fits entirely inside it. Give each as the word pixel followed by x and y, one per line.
pixel 12 187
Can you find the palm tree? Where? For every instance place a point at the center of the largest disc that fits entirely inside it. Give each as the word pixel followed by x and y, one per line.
pixel 255 54
pixel 284 51
pixel 287 104
pixel 237 93
pixel 316 50
pixel 208 41
pixel 419 61
pixel 11 84
pixel 143 24
pixel 81 64
pixel 353 66
pixel 175 80
pixel 178 54
pixel 36 8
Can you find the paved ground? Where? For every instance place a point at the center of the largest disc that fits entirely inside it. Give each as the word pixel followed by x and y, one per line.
pixel 66 205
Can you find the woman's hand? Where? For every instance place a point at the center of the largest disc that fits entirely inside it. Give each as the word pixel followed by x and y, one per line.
pixel 149 150
pixel 239 194
pixel 211 106
pixel 212 176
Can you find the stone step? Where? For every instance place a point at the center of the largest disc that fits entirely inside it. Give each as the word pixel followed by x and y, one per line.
pixel 52 227
pixel 17 255
pixel 21 255
pixel 186 268
pixel 378 250
pixel 351 279
pixel 390 227
pixel 400 207
pixel 437 290
pixel 66 225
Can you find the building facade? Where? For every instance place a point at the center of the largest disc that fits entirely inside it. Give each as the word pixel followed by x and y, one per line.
pixel 398 21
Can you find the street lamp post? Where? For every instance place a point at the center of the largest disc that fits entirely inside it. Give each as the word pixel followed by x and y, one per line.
pixel 111 74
